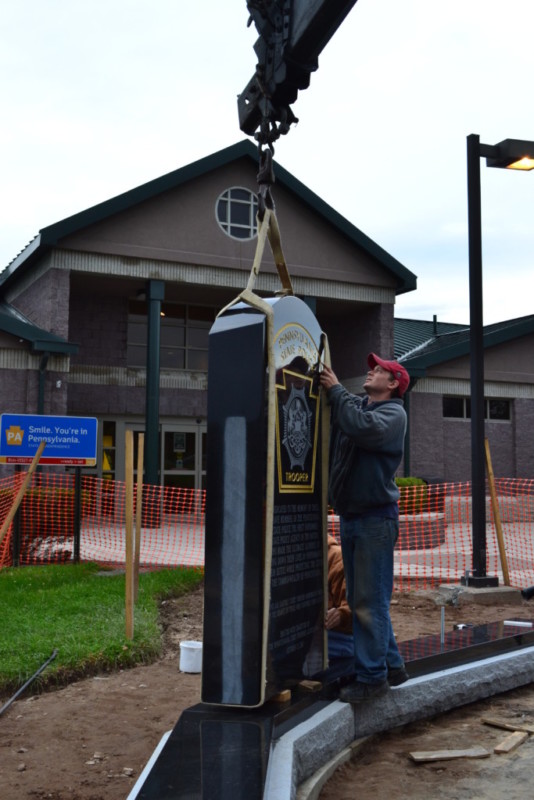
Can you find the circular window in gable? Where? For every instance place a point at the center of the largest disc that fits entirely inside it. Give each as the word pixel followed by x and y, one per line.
pixel 236 211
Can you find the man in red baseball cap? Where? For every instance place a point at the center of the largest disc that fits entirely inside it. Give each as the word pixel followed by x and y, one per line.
pixel 366 449
pixel 396 370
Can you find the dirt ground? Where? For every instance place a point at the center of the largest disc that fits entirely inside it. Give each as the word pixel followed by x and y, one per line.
pixel 382 767
pixel 92 739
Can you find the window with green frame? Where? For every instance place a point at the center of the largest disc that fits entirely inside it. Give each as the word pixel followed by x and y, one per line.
pixel 183 335
pixel 460 408
pixel 236 211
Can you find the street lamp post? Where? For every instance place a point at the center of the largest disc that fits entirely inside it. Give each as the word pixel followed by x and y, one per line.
pixel 510 154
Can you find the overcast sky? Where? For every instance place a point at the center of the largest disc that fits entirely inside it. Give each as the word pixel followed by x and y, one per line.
pixel 98 97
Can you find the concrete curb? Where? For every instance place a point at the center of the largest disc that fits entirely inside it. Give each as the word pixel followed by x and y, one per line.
pixel 305 757
pixel 311 788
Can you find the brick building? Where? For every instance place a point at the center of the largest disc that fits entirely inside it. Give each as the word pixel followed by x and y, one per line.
pixel 438 360
pixel 81 291
pixel 74 319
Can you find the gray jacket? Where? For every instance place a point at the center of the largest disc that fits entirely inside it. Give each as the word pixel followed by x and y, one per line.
pixel 366 448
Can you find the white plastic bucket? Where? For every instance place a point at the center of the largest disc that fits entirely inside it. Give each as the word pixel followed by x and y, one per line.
pixel 190 656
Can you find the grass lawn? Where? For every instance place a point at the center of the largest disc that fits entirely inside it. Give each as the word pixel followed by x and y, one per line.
pixel 79 610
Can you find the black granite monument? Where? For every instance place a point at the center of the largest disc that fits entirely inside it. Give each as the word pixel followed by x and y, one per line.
pixel 265 564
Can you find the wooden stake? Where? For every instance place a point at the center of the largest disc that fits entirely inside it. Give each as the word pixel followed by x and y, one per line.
pixel 21 492
pixel 129 583
pixel 496 515
pixel 138 510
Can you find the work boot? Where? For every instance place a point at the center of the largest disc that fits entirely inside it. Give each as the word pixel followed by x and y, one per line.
pixel 397 675
pixel 358 692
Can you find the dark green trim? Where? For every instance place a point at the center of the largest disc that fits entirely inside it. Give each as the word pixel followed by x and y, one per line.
pixel 155 294
pixel 455 345
pixel 41 341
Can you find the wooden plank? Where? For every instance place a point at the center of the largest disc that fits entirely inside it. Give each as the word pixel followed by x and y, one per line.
pixel 281 697
pixel 20 494
pixel 508 726
pixel 512 741
pixel 447 755
pixel 496 515
pixel 310 686
pixel 129 555
pixel 138 511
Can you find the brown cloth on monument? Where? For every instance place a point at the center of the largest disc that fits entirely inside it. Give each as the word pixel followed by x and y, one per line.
pixel 336 587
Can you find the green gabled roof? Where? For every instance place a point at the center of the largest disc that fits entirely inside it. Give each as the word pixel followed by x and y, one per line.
pixel 453 344
pixel 16 324
pixel 49 237
pixel 414 334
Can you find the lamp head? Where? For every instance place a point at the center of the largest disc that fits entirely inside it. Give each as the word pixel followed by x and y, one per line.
pixel 512 154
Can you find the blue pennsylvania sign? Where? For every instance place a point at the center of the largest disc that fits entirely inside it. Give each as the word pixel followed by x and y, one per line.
pixel 69 440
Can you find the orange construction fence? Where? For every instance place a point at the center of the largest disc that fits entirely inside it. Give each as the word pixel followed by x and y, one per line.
pixel 57 522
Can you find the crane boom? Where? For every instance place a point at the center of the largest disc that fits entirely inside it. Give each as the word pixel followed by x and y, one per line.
pixel 292 34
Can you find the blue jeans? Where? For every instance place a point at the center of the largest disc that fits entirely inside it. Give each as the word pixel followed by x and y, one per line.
pixel 340 645
pixel 367 545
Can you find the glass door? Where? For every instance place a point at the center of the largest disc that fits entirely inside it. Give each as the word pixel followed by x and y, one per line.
pixel 111 463
pixel 184 455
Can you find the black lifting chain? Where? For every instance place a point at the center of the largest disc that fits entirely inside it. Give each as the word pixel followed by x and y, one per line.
pixel 273 20
pixel 265 179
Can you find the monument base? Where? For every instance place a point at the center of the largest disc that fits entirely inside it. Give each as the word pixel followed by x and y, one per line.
pixel 217 753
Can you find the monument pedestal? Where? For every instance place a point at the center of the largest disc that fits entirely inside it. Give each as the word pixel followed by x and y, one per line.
pixel 265 564
pixel 218 753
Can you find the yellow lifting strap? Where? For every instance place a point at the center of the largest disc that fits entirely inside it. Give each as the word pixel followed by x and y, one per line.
pixel 268 228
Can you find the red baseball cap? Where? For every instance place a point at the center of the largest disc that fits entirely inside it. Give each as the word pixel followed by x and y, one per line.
pixel 397 370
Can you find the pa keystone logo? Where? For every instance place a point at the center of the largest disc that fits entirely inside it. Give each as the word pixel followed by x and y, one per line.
pixel 14 435
pixel 297 427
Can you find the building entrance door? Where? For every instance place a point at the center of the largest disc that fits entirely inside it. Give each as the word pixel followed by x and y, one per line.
pixel 183 455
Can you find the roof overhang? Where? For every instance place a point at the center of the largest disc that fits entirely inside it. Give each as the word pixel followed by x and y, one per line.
pixel 40 341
